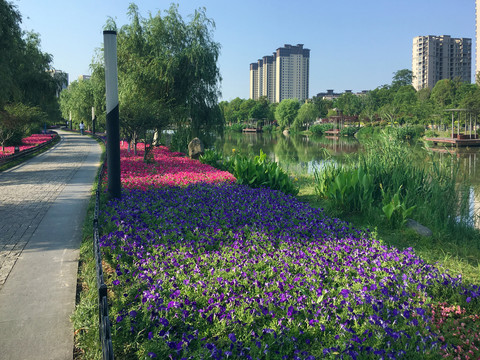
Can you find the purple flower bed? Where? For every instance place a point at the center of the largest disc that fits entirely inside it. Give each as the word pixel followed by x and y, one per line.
pixel 230 272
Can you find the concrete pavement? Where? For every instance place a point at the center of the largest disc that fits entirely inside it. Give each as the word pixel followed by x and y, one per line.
pixel 42 208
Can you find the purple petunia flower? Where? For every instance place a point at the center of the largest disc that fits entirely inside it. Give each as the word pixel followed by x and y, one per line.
pixel 345 293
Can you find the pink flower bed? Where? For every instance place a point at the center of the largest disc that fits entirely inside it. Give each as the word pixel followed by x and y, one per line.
pixel 168 169
pixel 459 330
pixel 27 143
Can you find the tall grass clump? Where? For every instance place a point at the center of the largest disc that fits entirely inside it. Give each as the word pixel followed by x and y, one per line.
pixel 390 180
pixel 255 172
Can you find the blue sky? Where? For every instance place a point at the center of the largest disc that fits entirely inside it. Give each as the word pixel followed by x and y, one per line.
pixel 355 45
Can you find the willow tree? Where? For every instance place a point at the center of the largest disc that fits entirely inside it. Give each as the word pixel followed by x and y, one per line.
pixel 26 84
pixel 167 72
pixel 77 101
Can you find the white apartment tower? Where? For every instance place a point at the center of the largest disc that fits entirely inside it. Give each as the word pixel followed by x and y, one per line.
pixel 283 75
pixel 440 57
pixel 477 32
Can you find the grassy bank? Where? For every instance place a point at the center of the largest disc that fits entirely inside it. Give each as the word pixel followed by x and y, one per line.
pixel 85 317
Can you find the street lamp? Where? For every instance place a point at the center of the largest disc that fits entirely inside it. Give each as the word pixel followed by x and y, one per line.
pixel 113 126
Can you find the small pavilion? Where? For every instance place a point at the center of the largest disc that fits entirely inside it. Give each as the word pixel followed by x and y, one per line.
pixel 460 139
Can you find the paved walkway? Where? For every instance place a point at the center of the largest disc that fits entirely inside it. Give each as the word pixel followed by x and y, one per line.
pixel 42 208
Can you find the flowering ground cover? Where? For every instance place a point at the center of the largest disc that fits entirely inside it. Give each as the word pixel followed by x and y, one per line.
pixel 167 169
pixel 224 271
pixel 27 143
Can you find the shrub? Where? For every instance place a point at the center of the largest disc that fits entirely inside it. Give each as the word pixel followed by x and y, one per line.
pixel 431 133
pixel 257 172
pixel 213 158
pixel 260 172
pixel 409 132
pixel 267 128
pixel 350 189
pixel 349 131
pixel 319 129
pixel 16 139
pixel 237 127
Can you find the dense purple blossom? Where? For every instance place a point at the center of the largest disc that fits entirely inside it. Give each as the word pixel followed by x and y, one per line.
pixel 225 271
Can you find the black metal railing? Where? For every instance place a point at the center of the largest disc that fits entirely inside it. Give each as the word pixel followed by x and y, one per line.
pixel 23 153
pixel 103 319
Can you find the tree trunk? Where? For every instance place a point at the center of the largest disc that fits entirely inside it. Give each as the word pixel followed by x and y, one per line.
pixel 135 143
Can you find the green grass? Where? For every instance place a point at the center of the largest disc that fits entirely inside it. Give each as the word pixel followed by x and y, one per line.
pixel 85 317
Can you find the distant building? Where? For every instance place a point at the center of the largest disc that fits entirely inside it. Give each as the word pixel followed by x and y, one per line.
pixel 62 80
pixel 283 75
pixel 477 39
pixel 440 57
pixel 84 77
pixel 330 95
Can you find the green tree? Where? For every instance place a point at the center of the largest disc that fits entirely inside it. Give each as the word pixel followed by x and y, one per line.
pixel 77 101
pixel 307 114
pixel 10 54
pixel 404 100
pixel 286 112
pixel 402 78
pixel 322 105
pixel 261 109
pixel 246 108
pixel 168 73
pixel 472 101
pixel 25 75
pixel 464 91
pixel 232 111
pixel 17 120
pixel 378 97
pixel 443 93
pixel 349 104
pixel 424 110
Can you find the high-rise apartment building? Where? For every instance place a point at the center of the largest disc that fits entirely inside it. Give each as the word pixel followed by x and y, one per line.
pixel 477 33
pixel 440 57
pixel 61 79
pixel 283 75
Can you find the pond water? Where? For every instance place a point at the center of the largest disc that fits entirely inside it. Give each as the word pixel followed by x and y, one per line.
pixel 300 154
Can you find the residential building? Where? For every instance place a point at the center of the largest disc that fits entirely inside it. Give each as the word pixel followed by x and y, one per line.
pixel 477 33
pixel 331 95
pixel 440 57
pixel 283 75
pixel 61 78
pixel 254 94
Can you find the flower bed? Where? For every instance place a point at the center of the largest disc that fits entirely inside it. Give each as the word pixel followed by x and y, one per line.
pixel 167 169
pixel 224 271
pixel 27 143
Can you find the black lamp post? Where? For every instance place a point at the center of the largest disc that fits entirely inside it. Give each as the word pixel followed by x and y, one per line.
pixel 113 126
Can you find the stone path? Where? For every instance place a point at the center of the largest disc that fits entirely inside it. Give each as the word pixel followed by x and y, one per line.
pixel 42 207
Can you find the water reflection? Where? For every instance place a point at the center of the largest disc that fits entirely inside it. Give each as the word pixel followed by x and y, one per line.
pixel 295 153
